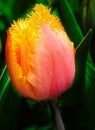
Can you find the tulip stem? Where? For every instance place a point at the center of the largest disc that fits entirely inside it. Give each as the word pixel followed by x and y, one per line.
pixel 56 115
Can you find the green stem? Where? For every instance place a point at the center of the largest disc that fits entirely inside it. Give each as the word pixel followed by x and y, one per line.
pixel 56 115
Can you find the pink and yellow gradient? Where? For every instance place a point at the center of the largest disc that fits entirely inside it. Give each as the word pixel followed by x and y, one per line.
pixel 40 56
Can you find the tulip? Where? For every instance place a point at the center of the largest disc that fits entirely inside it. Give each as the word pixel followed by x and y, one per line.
pixel 40 55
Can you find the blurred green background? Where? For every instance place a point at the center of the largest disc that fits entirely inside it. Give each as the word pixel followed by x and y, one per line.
pixel 77 105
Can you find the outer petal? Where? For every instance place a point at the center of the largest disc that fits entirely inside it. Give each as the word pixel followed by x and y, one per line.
pixel 54 63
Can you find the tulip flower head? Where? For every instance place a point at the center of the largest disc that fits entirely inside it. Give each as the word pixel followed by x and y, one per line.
pixel 40 55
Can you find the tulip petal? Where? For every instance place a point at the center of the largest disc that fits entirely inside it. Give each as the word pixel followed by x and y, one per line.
pixel 54 63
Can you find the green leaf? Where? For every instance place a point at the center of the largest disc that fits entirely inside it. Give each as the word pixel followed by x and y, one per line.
pixel 47 127
pixel 69 21
pixel 73 96
pixel 6 10
pixel 74 5
pixel 9 102
pixel 78 103
pixel 81 55
pixel 89 94
pixel 45 2
pixel 4 81
pixel 35 115
pixel 31 103
pixel 31 128
pixel 80 60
